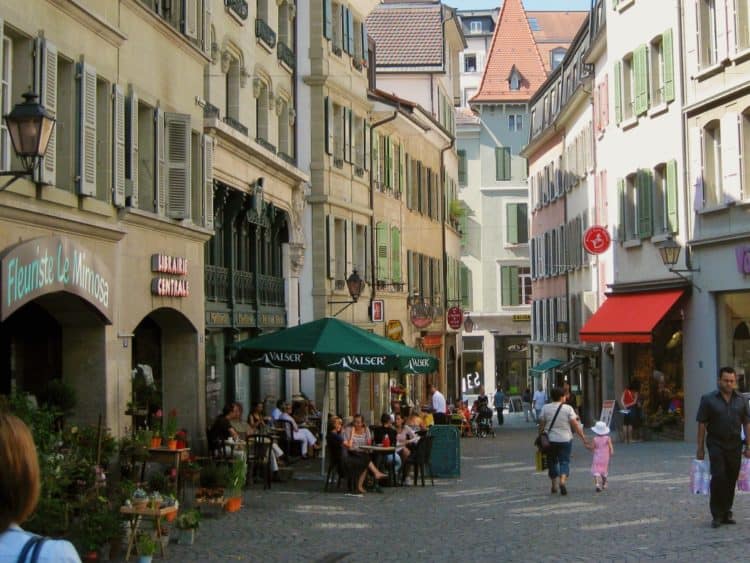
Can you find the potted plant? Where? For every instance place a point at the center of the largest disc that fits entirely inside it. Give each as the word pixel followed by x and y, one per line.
pixel 139 498
pixel 170 429
pixel 236 481
pixel 146 548
pixel 187 523
pixel 156 439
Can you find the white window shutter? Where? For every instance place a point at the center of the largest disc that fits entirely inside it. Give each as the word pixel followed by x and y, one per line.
pixel 731 16
pixel 730 156
pixel 118 148
pixel 722 24
pixel 696 166
pixel 368 255
pixel 131 145
pixel 87 130
pixel 160 175
pixel 208 182
pixel 331 236
pixel 349 241
pixel 207 27
pixel 45 77
pixel 177 129
pixel 190 18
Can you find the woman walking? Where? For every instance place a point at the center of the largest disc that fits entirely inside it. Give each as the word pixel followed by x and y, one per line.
pixel 559 420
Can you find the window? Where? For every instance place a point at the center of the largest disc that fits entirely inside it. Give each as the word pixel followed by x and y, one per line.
pixel 282 109
pixel 66 127
pixel 742 30
pixel 360 247
pixel 712 172
pixel 465 285
pixel 470 63
pixel 534 24
pixel 358 40
pixel 707 34
pixel 657 71
pixel 6 73
pixel 502 163
pixel 338 36
pixel 358 141
pixel 262 10
pixel 628 86
pixel 469 94
pixel 146 149
pixel 261 111
pixel 515 283
pixel 103 140
pixel 516 222
pixel 382 244
pixel 340 238
pixel 283 24
pixel 515 122
pixel 631 200
pixel 556 57
pixel 232 110
pixel 660 199
pixel 395 255
pixel 462 171
pixel 515 81
pixel 475 26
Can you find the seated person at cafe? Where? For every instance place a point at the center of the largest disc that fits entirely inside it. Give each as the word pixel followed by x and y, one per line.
pixel 380 432
pixel 395 409
pixel 300 434
pixel 406 438
pixel 255 419
pixel 240 426
pixel 355 437
pixel 465 413
pixel 416 423
pixel 299 411
pixel 278 410
pixel 221 430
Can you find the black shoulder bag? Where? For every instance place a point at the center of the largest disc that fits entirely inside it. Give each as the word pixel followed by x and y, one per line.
pixel 542 441
pixel 34 543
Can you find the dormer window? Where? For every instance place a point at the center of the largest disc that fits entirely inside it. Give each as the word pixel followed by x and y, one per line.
pixel 476 26
pixel 515 79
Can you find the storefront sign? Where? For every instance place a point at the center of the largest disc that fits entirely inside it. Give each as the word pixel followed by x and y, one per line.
pixel 169 287
pixel 432 341
pixel 165 264
pixel 377 310
pixel 455 317
pixel 217 318
pixel 608 408
pixel 394 330
pixel 521 318
pixel 358 363
pixel 244 319
pixel 47 265
pixel 596 239
pixel 272 320
pixel 421 315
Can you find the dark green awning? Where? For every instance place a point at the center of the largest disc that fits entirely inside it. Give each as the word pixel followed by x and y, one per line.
pixel 546 365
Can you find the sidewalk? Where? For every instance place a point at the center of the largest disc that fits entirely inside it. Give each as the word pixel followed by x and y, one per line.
pixel 499 509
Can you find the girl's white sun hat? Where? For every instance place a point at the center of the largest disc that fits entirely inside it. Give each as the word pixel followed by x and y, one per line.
pixel 600 428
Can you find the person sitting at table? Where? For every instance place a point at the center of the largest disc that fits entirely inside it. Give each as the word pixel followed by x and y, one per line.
pixel 312 410
pixel 416 423
pixel 356 436
pixel 238 423
pixel 300 434
pixel 221 430
pixel 465 413
pixel 395 409
pixel 380 432
pixel 299 412
pixel 255 419
pixel 406 438
pixel 278 410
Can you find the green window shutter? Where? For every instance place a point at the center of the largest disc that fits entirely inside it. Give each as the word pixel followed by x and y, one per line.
pixel 666 45
pixel 671 203
pixel 331 245
pixel 462 167
pixel 644 182
pixel 375 156
pixel 618 92
pixel 509 282
pixel 465 287
pixel 511 218
pixel 640 60
pixel 365 49
pixel 395 255
pixel 401 168
pixel 329 124
pixel 381 238
pixel 464 226
pixel 409 271
pixel 621 229
pixel 502 163
pixel 366 145
pixel 522 221
pixel 350 31
pixel 327 19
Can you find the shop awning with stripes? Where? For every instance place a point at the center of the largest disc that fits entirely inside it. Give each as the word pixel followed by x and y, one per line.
pixel 630 317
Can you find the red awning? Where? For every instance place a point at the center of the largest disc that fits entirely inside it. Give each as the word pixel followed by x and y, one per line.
pixel 629 317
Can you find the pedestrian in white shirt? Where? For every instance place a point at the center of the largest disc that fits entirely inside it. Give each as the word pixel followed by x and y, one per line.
pixel 539 400
pixel 438 405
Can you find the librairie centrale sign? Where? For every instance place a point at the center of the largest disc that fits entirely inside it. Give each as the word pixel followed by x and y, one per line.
pixel 40 266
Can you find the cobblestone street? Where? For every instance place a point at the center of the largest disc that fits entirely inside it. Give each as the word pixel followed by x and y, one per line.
pixel 500 509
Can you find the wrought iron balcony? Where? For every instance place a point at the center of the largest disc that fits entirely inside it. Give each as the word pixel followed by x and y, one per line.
pixel 359 171
pixel 210 110
pixel 217 283
pixel 286 55
pixel 338 162
pixel 265 144
pixel 271 290
pixel 239 7
pixel 234 124
pixel 288 159
pixel 244 287
pixel 264 32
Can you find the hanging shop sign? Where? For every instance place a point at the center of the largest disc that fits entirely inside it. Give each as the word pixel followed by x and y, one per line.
pixel 377 310
pixel 596 239
pixel 421 315
pixel 394 330
pixel 168 286
pixel 521 318
pixel 455 317
pixel 47 265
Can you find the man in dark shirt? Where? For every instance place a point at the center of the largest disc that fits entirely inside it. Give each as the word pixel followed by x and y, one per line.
pixel 221 430
pixel 720 415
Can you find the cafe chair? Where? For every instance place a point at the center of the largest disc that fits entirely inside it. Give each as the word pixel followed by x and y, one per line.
pixel 336 468
pixel 219 452
pixel 259 459
pixel 419 458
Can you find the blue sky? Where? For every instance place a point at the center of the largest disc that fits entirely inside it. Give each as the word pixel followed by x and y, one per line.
pixel 528 4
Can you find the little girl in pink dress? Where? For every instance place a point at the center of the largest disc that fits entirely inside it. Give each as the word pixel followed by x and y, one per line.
pixel 602 448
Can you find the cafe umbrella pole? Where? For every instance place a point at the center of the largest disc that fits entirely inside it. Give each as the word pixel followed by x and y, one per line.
pixel 324 425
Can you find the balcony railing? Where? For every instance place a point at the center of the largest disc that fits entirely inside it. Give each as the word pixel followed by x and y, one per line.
pixel 217 283
pixel 210 110
pixel 286 55
pixel 239 7
pixel 264 32
pixel 244 287
pixel 265 144
pixel 286 158
pixel 271 290
pixel 234 124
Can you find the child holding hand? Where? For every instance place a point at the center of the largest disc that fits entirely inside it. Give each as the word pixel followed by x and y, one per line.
pixel 602 448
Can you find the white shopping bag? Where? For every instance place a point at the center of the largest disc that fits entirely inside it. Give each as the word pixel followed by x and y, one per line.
pixel 743 481
pixel 700 477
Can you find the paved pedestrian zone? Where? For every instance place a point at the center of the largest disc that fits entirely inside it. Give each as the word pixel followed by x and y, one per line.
pixel 500 509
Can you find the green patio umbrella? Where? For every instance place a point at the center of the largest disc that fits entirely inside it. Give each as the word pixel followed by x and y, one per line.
pixel 332 345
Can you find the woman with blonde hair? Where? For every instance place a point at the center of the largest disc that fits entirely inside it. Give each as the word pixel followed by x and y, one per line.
pixel 19 493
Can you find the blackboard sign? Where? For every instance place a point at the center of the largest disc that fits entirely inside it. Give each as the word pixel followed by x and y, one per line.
pixel 446 450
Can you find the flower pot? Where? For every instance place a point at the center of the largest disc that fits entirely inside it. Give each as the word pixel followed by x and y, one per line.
pixel 181 444
pixel 170 517
pixel 233 504
pixel 172 444
pixel 145 558
pixel 156 442
pixel 186 537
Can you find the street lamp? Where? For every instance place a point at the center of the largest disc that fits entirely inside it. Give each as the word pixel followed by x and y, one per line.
pixel 468 323
pixel 30 127
pixel 669 250
pixel 355 285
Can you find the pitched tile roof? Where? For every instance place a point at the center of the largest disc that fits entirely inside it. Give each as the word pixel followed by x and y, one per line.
pixel 555 29
pixel 407 35
pixel 512 45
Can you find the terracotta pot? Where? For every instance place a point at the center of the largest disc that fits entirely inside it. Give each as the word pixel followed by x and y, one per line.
pixel 181 444
pixel 172 444
pixel 233 504
pixel 170 517
pixel 156 442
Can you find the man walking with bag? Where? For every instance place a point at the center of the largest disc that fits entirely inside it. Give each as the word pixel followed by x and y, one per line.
pixel 720 416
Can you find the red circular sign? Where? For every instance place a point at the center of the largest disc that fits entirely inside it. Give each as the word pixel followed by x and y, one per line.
pixel 455 317
pixel 596 240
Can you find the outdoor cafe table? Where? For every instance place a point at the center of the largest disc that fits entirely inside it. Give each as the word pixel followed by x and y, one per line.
pixel 136 515
pixel 167 457
pixel 378 451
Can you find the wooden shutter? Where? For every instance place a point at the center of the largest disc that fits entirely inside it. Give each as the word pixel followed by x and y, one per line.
pixel 640 63
pixel 618 92
pixel 391 164
pixel 375 156
pixel 207 26
pixel 366 143
pixel 667 48
pixel 350 31
pixel 498 163
pixel 722 25
pixel 671 197
pixel 644 180
pixel 190 18
pixel 365 50
pixel 346 115
pixel 381 238
pixel 511 218
pixel 462 167
pixel 327 19
pixel 348 247
pixel 622 227
pixel 367 274
pixel 45 76
pixel 331 245
pixel 605 102
pixel 87 128
pixel 395 255
pixel 696 166
pixel 118 149
pixel 731 132
pixel 401 168
pixel 160 173
pixel 131 146
pixel 178 165
pixel 208 181
pixel 329 125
